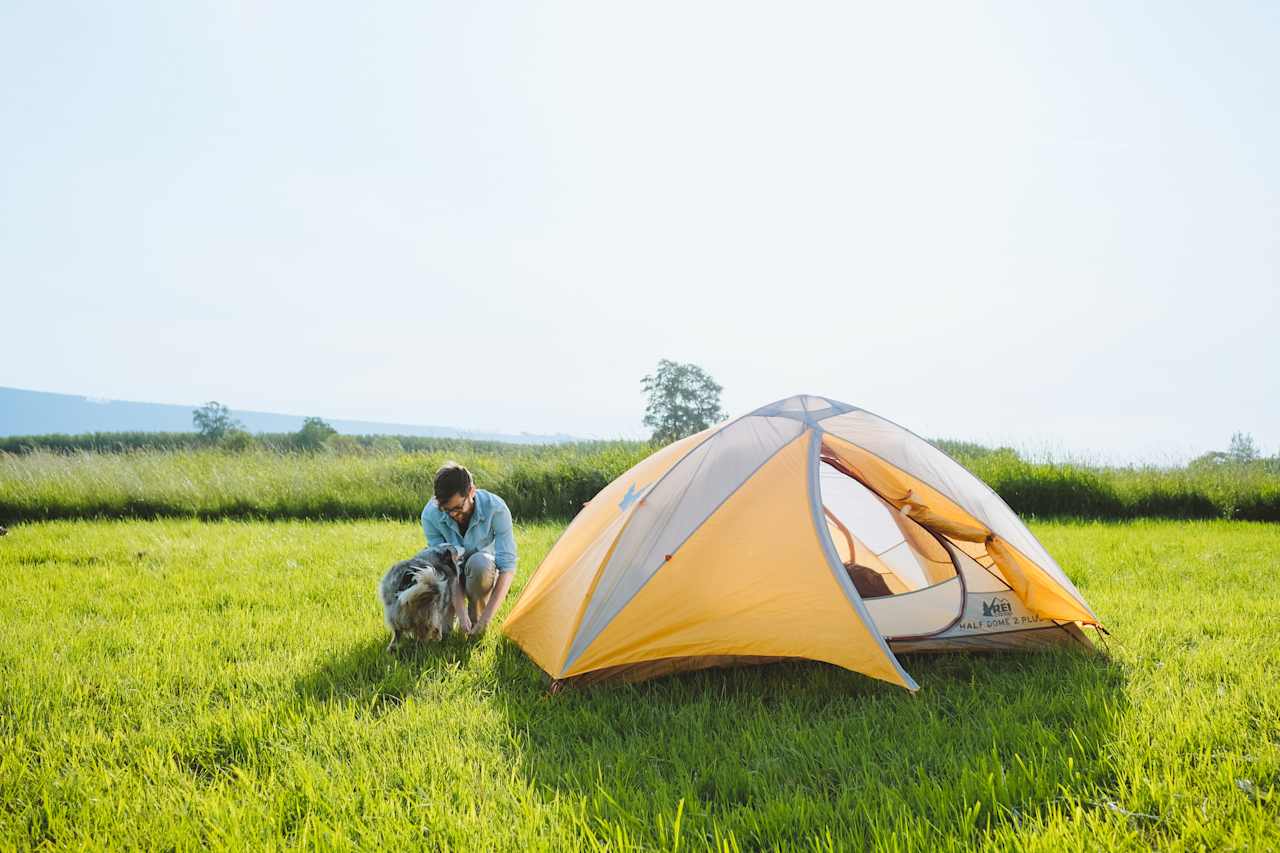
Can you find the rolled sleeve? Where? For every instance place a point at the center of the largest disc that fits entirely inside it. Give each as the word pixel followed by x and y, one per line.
pixel 504 540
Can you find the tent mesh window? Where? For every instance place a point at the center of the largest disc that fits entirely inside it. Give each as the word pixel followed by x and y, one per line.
pixel 884 551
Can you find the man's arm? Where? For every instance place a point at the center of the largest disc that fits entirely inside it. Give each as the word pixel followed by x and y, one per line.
pixel 500 588
pixel 504 540
pixel 504 557
pixel 435 535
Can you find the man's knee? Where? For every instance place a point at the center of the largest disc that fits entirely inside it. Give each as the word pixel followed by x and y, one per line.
pixel 481 573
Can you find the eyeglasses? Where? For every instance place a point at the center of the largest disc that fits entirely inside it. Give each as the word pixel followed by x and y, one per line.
pixel 454 512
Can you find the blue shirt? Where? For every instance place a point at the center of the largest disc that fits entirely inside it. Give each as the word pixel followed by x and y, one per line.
pixel 488 531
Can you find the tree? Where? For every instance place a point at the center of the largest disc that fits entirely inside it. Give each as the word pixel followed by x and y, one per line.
pixel 344 445
pixel 213 421
pixel 683 399
pixel 238 441
pixel 1209 460
pixel 313 434
pixel 1242 448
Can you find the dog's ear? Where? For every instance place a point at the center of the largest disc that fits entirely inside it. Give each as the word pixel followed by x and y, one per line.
pixel 408 577
pixel 452 557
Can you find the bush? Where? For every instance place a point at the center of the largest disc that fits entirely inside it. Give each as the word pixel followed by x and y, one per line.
pixel 313 435
pixel 237 441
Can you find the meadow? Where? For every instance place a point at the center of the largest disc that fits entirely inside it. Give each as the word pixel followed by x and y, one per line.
pixel 381 479
pixel 175 684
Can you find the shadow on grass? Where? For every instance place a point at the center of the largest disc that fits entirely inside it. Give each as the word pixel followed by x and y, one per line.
pixel 368 676
pixel 773 753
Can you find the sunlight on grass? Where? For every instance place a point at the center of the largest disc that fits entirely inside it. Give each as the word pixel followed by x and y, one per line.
pixel 175 683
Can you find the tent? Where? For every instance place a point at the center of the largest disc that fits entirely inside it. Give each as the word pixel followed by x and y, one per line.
pixel 748 542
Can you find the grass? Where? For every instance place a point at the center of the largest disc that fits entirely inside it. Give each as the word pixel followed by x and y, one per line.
pixel 175 684
pixel 540 483
pixel 537 483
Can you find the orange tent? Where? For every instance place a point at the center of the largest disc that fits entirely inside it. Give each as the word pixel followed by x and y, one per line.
pixel 749 542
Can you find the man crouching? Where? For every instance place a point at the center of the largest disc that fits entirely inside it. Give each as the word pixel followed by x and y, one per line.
pixel 478 522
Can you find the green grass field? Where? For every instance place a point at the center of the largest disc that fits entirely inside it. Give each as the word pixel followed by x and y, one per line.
pixel 544 483
pixel 178 684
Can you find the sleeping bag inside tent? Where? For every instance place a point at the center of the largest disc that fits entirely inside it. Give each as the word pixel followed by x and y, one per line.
pixel 806 529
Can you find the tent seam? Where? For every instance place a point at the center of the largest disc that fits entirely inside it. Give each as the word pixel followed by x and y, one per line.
pixel 572 521
pixel 569 662
pixel 828 549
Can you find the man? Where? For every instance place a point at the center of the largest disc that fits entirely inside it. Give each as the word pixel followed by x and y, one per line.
pixel 478 522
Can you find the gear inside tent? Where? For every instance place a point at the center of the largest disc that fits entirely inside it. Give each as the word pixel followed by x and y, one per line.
pixel 809 529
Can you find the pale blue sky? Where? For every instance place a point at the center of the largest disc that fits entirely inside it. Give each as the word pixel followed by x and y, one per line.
pixel 1053 225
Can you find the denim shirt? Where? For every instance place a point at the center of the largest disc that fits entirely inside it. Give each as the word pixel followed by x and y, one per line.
pixel 489 530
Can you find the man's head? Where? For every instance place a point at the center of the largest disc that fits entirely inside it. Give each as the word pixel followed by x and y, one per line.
pixel 455 493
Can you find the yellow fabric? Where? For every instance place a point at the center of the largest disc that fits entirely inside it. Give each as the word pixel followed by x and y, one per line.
pixel 754 579
pixel 841 538
pixel 1042 595
pixel 944 525
pixel 932 557
pixel 881 479
pixel 546 616
pixel 599 513
pixel 545 628
pixel 925 504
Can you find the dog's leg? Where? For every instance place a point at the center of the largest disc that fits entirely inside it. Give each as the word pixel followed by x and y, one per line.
pixel 395 638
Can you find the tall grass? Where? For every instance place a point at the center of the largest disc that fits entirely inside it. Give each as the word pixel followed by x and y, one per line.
pixel 124 442
pixel 549 482
pixel 41 485
pixel 1249 492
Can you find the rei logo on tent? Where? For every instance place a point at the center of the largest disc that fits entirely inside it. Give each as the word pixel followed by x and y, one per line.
pixel 996 607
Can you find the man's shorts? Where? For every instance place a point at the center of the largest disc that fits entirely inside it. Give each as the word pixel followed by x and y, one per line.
pixel 479 574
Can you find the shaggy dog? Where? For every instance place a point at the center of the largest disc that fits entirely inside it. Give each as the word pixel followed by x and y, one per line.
pixel 415 597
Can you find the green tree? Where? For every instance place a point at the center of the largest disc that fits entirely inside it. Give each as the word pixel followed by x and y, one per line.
pixel 213 421
pixel 313 434
pixel 1243 448
pixel 238 441
pixel 683 399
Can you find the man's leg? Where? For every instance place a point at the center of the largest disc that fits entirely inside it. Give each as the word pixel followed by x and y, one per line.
pixel 480 573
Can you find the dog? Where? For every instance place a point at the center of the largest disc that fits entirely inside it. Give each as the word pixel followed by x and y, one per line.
pixel 415 595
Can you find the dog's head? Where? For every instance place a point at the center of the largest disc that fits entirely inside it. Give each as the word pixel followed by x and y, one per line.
pixel 447 559
pixel 415 593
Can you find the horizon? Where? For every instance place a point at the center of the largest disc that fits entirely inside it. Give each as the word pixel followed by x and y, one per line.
pixel 1054 229
pixel 445 431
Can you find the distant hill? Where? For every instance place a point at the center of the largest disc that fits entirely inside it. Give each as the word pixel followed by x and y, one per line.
pixel 41 413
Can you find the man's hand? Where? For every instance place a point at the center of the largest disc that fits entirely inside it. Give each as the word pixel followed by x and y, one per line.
pixel 495 601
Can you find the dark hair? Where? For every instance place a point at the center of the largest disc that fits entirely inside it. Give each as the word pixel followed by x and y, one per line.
pixel 452 479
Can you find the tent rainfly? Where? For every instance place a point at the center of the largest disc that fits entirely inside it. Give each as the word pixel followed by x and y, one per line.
pixel 805 529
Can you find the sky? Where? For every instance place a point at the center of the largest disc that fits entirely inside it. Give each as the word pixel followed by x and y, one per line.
pixel 1053 226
